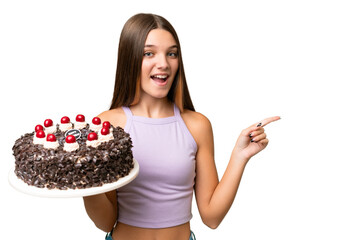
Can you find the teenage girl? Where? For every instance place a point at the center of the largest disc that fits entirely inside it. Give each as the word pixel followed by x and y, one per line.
pixel 172 143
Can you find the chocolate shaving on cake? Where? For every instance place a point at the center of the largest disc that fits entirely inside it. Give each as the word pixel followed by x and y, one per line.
pixel 85 167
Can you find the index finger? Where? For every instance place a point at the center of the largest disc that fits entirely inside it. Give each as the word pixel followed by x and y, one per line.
pixel 266 121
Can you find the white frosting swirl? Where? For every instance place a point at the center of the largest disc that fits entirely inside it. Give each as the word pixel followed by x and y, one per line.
pixel 79 125
pixel 69 147
pixel 106 138
pixel 95 127
pixel 65 126
pixel 51 129
pixel 51 145
pixel 93 143
pixel 38 140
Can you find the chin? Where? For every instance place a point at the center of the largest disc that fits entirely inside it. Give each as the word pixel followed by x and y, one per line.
pixel 157 94
pixel 160 96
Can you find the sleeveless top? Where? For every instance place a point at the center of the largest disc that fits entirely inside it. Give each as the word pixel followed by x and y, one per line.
pixel 161 195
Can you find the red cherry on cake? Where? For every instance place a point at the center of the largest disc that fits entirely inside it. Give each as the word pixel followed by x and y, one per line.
pixel 51 138
pixel 106 124
pixel 65 119
pixel 40 134
pixel 38 128
pixel 105 131
pixel 96 121
pixel 80 118
pixel 48 123
pixel 70 139
pixel 92 136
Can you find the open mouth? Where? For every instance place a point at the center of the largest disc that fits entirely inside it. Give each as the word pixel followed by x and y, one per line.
pixel 160 79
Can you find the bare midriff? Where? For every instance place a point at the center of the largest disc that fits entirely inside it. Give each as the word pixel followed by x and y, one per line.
pixel 127 232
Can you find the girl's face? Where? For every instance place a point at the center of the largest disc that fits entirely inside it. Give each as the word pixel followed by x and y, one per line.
pixel 160 64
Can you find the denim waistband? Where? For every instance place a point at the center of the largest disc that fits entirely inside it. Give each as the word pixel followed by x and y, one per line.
pixel 108 236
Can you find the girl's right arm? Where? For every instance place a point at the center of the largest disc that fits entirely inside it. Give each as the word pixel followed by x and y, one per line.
pixel 102 210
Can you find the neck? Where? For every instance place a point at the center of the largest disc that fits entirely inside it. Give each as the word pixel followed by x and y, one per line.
pixel 153 108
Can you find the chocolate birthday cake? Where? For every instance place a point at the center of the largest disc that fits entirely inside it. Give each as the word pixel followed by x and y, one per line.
pixel 73 155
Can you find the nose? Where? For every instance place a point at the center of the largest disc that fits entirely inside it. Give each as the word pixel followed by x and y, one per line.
pixel 162 62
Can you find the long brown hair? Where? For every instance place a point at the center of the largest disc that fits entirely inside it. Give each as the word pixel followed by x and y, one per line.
pixel 130 56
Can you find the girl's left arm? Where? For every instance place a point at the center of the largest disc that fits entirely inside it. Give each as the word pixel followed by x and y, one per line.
pixel 215 198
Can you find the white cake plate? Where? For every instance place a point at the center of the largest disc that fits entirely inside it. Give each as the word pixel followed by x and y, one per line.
pixel 23 187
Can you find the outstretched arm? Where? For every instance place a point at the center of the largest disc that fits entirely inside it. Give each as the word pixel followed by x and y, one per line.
pixel 215 198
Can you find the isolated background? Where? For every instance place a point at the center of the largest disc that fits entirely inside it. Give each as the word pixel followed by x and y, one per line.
pixel 244 61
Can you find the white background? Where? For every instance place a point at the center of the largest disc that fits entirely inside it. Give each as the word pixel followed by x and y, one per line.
pixel 244 61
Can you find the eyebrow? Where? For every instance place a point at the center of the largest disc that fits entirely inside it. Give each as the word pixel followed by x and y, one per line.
pixel 150 45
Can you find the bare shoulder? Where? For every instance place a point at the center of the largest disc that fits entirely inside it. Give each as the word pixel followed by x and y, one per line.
pixel 198 124
pixel 115 116
pixel 194 118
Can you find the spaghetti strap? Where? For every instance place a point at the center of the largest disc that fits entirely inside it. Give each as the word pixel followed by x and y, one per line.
pixel 128 112
pixel 183 126
pixel 176 111
pixel 129 117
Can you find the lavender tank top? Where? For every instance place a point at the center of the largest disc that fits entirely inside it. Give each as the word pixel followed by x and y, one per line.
pixel 161 195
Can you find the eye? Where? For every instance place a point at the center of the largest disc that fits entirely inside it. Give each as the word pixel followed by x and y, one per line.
pixel 173 54
pixel 148 54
